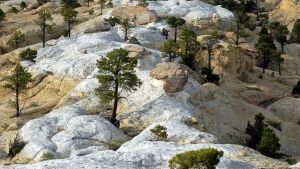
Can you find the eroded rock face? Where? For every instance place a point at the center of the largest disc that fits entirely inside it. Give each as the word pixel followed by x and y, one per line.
pixel 137 14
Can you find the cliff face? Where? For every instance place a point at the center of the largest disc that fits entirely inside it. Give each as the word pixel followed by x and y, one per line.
pixel 287 11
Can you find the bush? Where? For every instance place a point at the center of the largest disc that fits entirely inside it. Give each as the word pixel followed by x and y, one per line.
pixel 160 132
pixel 14 10
pixel 143 3
pixel 133 40
pixel 296 89
pixel 23 5
pixel 47 156
pixel 91 12
pixel 28 54
pixel 269 143
pixel 209 76
pixel 15 146
pixel 205 158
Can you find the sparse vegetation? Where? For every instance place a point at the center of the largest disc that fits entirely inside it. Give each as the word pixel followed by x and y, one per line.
pixel 69 15
pixel 169 49
pixel 14 10
pixel 47 156
pixel 205 158
pixel 44 21
pixel 2 15
pixel 16 38
pixel 23 5
pixel 296 89
pixel 28 54
pixel 15 146
pixel 296 31
pixel 133 40
pixel 174 22
pixel 210 76
pixel 160 132
pixel 125 26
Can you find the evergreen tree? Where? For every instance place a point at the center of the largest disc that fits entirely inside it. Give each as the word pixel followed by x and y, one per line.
pixel 209 44
pixel 264 31
pixel 241 18
pixel 16 38
pixel 280 35
pixel 17 82
pixel 28 54
pixel 116 74
pixel 277 59
pixel 165 33
pixel 255 131
pixel 269 143
pixel 112 21
pixel 296 31
pixel 69 15
pixel 125 26
pixel 2 15
pixel 23 5
pixel 265 48
pixel 169 49
pixel 69 3
pixel 44 21
pixel 102 3
pixel 174 22
pixel 189 47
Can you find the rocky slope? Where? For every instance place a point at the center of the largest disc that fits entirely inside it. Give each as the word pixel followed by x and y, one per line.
pixel 196 114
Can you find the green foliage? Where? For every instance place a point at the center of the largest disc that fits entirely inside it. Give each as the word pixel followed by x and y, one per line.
pixel 133 40
pixel 143 3
pixel 116 74
pixel 197 159
pixel 91 12
pixel 280 34
pixel 174 22
pixel 269 143
pixel 23 5
pixel 265 47
pixel 210 76
pixel 160 132
pixel 217 35
pixel 125 26
pixel 296 31
pixel 44 22
pixel 255 131
pixel 296 89
pixel 16 38
pixel 242 19
pixel 47 156
pixel 70 3
pixel 69 15
pixel 28 54
pixel 169 49
pixel 112 21
pixel 15 146
pixel 165 32
pixel 189 47
pixel 14 10
pixel 264 31
pixel 2 15
pixel 17 82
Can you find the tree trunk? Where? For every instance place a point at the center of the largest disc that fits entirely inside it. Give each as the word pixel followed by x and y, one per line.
pixel 69 28
pixel 44 35
pixel 16 44
pixel 88 3
pixel 279 69
pixel 101 9
pixel 264 64
pixel 257 10
pixel 282 45
pixel 113 119
pixel 126 37
pixel 175 33
pixel 17 99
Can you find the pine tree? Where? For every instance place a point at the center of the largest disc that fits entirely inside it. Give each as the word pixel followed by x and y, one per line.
pixel 189 47
pixel 241 18
pixel 296 31
pixel 255 131
pixel 265 47
pixel 280 34
pixel 28 54
pixel 269 143
pixel 69 3
pixel 16 38
pixel 169 49
pixel 277 59
pixel 18 82
pixel 209 44
pixel 116 74
pixel 174 22
pixel 112 21
pixel 69 15
pixel 125 26
pixel 165 33
pixel 44 21
pixel 23 5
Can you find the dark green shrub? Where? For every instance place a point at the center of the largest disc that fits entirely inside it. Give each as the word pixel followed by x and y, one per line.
pixel 143 3
pixel 296 89
pixel 91 12
pixel 112 21
pixel 269 143
pixel 255 131
pixel 2 15
pixel 14 10
pixel 160 132
pixel 28 54
pixel 47 156
pixel 133 40
pixel 197 159
pixel 15 146
pixel 23 5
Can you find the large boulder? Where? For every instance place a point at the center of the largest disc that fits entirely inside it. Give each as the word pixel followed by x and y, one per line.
pixel 137 14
